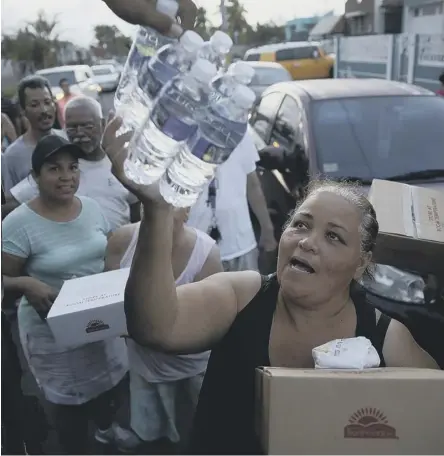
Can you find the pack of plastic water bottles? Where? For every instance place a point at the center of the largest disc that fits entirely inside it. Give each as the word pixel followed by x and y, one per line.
pixel 187 112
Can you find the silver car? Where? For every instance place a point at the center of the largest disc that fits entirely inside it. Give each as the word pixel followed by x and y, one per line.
pixel 267 74
pixel 106 76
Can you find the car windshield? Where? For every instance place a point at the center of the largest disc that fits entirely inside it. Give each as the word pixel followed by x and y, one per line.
pixel 379 137
pixel 269 76
pixel 55 77
pixel 100 71
pixel 253 57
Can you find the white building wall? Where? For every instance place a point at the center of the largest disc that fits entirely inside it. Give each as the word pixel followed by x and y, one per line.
pixel 419 20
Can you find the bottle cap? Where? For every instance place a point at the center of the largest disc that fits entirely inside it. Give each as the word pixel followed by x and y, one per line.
pixel 203 70
pixel 221 41
pixel 191 41
pixel 243 97
pixel 242 72
pixel 168 7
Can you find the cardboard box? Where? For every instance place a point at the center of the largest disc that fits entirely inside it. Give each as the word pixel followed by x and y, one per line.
pixel 374 411
pixel 411 226
pixel 89 309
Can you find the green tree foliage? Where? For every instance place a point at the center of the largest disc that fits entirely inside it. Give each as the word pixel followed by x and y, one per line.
pixel 37 42
pixel 238 27
pixel 111 41
pixel 265 34
pixel 245 34
pixel 202 25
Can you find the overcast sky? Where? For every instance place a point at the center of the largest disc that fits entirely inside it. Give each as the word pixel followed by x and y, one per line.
pixel 76 23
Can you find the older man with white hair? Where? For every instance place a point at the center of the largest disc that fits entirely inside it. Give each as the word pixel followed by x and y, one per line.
pixel 84 127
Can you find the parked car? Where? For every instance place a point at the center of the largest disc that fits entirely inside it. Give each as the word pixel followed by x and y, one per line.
pixel 115 63
pixel 303 59
pixel 267 74
pixel 80 78
pixel 106 76
pixel 358 129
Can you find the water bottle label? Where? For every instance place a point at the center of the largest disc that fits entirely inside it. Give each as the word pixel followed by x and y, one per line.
pixel 170 125
pixel 207 151
pixel 147 81
pixel 139 55
pixel 214 96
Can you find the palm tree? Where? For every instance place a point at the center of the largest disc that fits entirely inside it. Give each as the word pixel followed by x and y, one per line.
pixel 111 40
pixel 202 23
pixel 237 23
pixel 46 42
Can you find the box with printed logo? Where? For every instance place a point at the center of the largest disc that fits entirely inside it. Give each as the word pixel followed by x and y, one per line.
pixel 370 411
pixel 89 309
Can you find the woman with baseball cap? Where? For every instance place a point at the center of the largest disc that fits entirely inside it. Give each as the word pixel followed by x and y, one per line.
pixel 55 237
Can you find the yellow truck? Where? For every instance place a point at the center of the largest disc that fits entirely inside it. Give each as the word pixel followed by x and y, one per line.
pixel 303 59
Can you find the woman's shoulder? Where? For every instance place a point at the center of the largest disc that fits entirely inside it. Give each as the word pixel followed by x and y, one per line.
pixel 122 236
pixel 255 290
pixel 118 245
pixel 21 224
pixel 19 216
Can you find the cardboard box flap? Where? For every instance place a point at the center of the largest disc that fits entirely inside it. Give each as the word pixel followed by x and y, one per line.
pixel 428 213
pixel 405 210
pixel 386 373
pixel 394 207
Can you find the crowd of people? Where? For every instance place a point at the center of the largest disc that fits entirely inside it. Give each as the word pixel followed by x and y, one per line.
pixel 200 316
pixel 66 215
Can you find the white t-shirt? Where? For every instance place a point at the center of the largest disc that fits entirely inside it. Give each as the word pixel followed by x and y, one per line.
pixel 97 182
pixel 232 213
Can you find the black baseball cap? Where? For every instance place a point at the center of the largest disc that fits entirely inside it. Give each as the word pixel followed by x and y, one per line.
pixel 50 145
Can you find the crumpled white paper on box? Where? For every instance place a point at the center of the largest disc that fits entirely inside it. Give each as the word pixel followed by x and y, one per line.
pixel 353 353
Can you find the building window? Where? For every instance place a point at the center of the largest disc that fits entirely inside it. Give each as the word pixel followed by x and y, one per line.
pixel 432 9
pixel 358 25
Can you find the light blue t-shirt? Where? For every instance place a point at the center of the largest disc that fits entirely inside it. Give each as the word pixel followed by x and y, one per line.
pixel 55 252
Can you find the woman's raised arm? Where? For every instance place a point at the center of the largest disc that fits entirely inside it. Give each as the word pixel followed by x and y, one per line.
pixel 191 318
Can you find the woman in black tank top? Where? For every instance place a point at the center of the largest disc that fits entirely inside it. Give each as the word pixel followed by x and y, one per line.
pixel 249 322
pixel 224 421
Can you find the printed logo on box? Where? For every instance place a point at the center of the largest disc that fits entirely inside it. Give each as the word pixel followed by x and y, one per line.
pixel 369 423
pixel 96 325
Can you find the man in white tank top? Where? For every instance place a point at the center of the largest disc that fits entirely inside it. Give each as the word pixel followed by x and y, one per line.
pixel 156 379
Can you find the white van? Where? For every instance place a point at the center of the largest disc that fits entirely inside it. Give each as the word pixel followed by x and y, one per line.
pixel 79 77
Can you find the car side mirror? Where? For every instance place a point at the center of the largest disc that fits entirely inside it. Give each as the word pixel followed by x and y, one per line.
pixel 316 54
pixel 272 157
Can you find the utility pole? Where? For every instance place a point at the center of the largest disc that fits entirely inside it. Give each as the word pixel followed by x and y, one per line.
pixel 223 13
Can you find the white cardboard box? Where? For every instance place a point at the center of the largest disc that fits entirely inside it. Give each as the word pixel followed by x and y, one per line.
pixel 89 309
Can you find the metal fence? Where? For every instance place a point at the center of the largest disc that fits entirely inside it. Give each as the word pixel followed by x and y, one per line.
pixel 416 59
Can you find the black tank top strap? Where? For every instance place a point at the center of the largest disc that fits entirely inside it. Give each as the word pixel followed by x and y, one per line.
pixel 379 336
pixel 367 323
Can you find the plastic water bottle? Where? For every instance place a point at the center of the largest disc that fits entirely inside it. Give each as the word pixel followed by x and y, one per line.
pixel 171 120
pixel 216 49
pixel 221 127
pixel 168 62
pixel 130 102
pixel 224 84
